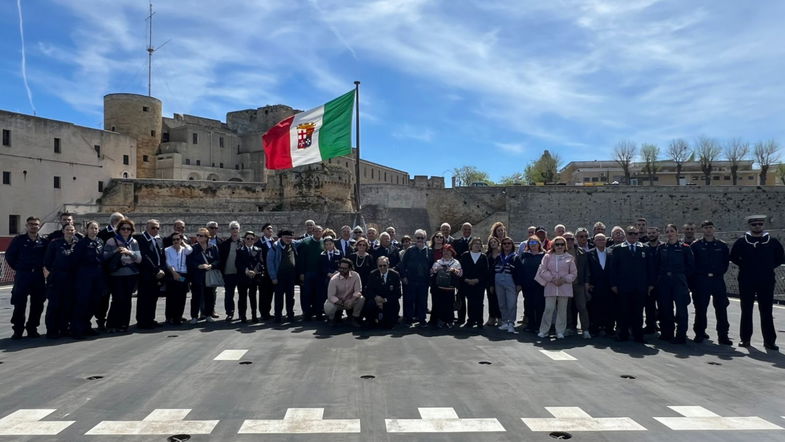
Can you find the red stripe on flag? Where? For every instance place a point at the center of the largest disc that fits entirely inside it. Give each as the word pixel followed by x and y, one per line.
pixel 275 141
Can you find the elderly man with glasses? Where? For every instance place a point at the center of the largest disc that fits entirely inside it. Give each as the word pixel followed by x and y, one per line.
pixel 384 288
pixel 151 274
pixel 415 275
pixel 632 279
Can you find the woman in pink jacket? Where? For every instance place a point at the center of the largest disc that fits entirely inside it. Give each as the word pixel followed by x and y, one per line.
pixel 556 273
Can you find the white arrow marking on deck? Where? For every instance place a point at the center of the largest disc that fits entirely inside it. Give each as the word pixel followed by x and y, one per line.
pixel 301 420
pixel 230 355
pixel 557 355
pixel 575 419
pixel 699 418
pixel 27 422
pixel 441 420
pixel 160 421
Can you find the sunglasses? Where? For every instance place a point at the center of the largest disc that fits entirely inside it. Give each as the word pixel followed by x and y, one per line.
pixel 559 244
pixel 213 227
pixel 199 235
pixel 419 238
pixel 382 265
pixel 176 239
pixel 125 229
pixel 533 243
pixel 756 224
pixel 506 243
pixel 632 233
pixel 343 268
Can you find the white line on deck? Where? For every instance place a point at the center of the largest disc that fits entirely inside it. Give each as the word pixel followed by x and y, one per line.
pixel 230 355
pixel 301 421
pixel 27 422
pixel 575 419
pixel 442 420
pixel 160 421
pixel 558 355
pixel 699 418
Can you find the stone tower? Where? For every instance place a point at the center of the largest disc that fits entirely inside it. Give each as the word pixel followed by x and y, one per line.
pixel 137 116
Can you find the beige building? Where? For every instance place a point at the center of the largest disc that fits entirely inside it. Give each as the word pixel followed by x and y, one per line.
pixel 597 173
pixel 47 163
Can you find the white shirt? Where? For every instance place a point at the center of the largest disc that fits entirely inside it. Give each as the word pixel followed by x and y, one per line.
pixel 603 256
pixel 176 259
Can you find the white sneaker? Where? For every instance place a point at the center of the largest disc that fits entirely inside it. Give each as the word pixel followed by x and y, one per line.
pixel 586 335
pixel 210 319
pixel 559 336
pixel 541 335
pixel 511 328
pixel 193 321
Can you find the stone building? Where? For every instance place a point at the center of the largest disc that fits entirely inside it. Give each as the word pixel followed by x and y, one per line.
pixel 593 173
pixel 47 163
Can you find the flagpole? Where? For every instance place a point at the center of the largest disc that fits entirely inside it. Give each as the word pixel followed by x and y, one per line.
pixel 357 144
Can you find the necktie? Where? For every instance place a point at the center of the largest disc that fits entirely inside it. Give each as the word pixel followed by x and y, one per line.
pixel 632 248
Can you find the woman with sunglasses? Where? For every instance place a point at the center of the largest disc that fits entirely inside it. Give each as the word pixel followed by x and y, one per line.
pixel 177 283
pixel 437 243
pixel 123 257
pixel 526 266
pixel 504 266
pixel 474 280
pixel 556 273
pixel 494 314
pixel 204 257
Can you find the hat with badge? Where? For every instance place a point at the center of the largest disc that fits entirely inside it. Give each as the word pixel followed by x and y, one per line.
pixel 707 223
pixel 753 218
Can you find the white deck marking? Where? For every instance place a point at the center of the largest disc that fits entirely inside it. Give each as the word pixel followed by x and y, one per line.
pixel 301 421
pixel 575 419
pixel 699 418
pixel 27 422
pixel 442 420
pixel 558 355
pixel 230 355
pixel 160 421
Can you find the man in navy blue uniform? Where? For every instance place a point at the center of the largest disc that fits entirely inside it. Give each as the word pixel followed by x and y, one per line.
pixel 757 254
pixel 66 219
pixel 25 255
pixel 711 263
pixel 151 274
pixel 631 279
pixel 674 263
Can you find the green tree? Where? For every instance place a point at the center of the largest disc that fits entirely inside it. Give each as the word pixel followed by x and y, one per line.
pixel 466 175
pixel 511 180
pixel 544 170
pixel 649 154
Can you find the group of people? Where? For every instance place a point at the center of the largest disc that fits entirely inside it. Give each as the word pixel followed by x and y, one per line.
pixel 628 284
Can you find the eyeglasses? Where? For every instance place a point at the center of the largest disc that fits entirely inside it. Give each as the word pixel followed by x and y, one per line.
pixel 632 233
pixel 559 244
pixel 199 235
pixel 155 228
pixel 756 224
pixel 213 227
pixel 383 265
pixel 506 243
pixel 343 268
pixel 249 237
pixel 533 243
pixel 419 238
pixel 358 231
pixel 125 229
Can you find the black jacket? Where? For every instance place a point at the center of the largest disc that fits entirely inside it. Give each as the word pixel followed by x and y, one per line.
pixel 153 256
pixel 757 257
pixel 632 272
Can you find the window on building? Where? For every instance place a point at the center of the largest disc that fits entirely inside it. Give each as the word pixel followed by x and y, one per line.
pixel 236 167
pixel 195 138
pixel 385 177
pixel 586 179
pixel 113 129
pixel 595 179
pixel 715 177
pixel 6 177
pixel 57 145
pixel 198 162
pixel 213 165
pixel 187 161
pixel 371 173
pixel 751 177
pixel 145 109
pixel 726 178
pixel 126 160
pixel 145 158
pixel 656 178
pixel 125 174
pixel 152 133
pixel 6 137
pixel 221 142
pixel 13 224
pixel 57 182
pixel 365 172
pixel 221 165
pixel 97 148
pixel 165 137
pixel 100 186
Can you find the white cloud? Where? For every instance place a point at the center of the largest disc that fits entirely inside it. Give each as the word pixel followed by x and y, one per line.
pixel 513 148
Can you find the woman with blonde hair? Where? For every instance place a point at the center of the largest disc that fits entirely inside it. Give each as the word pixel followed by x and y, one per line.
pixel 556 273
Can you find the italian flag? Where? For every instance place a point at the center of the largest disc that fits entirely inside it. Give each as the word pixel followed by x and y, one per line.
pixel 311 136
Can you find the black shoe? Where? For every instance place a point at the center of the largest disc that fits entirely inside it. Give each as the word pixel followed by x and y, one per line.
pixel 215 316
pixel 679 340
pixel 255 320
pixel 771 347
pixel 290 318
pixel 229 318
pixel 698 339
pixel 744 343
pixel 243 321
pixel 278 320
pixel 77 336
pixel 356 322
pixel 52 335
pixel 306 317
pixel 16 335
pixel 665 338
pixel 640 340
pixel 649 330
pixel 622 338
pixel 724 340
pixel 706 336
pixel 101 329
pixel 32 333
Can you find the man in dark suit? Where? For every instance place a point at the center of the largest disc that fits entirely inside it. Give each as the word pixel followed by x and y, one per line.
pixel 386 248
pixel 179 229
pixel 631 279
pixel 345 243
pixel 266 288
pixel 462 244
pixel 383 292
pixel 109 232
pixel 151 274
pixel 599 287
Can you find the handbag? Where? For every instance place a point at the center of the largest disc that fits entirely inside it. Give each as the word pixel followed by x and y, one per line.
pixel 212 277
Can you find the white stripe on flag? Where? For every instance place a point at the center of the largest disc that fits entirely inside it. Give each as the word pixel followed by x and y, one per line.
pixel 310 154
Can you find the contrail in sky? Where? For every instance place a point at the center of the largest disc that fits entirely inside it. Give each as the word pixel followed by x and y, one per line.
pixel 24 61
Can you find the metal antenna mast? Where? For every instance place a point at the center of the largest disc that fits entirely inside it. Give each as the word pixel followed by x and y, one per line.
pixel 150 51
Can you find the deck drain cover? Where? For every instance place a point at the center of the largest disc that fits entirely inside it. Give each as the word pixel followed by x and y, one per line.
pixel 179 438
pixel 627 376
pixel 714 363
pixel 94 378
pixel 485 362
pixel 172 336
pixel 367 376
pixel 561 435
pixel 245 362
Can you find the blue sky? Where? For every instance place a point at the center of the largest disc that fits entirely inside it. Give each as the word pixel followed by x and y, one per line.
pixel 444 83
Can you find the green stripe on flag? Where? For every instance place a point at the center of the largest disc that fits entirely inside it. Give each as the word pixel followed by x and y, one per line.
pixel 335 135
